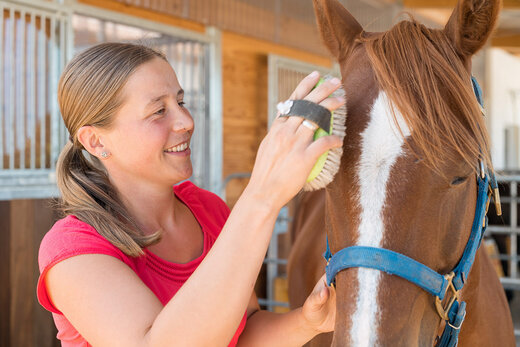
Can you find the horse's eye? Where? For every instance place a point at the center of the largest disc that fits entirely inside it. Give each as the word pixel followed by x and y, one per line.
pixel 459 180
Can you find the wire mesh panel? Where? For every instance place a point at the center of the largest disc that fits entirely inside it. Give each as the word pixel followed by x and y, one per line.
pixel 188 58
pixel 33 54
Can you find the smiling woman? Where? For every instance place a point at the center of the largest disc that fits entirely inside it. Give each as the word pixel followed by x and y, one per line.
pixel 142 259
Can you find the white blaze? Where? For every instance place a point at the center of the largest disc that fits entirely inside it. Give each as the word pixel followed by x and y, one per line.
pixel 381 146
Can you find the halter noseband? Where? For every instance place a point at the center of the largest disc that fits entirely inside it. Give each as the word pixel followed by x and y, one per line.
pixel 445 288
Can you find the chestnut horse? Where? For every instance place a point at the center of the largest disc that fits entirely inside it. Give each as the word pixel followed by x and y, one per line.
pixel 415 138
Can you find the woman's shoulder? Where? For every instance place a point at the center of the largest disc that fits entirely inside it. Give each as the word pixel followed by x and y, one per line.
pixel 70 236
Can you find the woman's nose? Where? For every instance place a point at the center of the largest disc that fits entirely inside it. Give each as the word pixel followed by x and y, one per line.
pixel 183 121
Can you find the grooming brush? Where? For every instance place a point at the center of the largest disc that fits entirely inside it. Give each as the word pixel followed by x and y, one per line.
pixel 328 163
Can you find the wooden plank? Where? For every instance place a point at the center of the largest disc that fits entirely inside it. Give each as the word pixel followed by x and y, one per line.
pixel 245 111
pixel 44 330
pixel 232 41
pixel 509 41
pixel 22 289
pixel 508 4
pixel 5 273
pixel 281 293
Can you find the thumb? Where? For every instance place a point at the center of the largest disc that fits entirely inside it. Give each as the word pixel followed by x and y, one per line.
pixel 319 295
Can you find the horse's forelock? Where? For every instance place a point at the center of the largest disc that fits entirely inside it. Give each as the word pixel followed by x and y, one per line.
pixel 426 80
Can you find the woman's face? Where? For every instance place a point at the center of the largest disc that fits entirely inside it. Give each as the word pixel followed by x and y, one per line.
pixel 149 141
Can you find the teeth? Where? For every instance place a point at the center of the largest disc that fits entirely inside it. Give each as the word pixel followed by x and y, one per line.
pixel 178 148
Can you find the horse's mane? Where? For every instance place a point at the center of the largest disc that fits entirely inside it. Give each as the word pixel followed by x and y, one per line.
pixel 425 79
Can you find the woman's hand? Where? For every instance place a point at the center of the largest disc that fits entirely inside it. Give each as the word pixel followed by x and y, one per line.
pixel 288 153
pixel 319 310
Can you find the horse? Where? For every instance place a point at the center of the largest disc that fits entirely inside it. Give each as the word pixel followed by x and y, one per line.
pixel 415 148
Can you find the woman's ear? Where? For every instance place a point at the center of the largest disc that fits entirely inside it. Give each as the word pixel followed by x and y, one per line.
pixel 92 141
pixel 471 24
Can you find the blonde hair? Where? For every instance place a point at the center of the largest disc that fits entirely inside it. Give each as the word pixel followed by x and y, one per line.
pixel 89 93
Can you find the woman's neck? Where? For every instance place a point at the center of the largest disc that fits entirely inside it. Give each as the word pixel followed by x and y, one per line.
pixel 152 207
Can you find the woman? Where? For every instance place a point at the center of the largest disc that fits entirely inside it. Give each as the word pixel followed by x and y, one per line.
pixel 137 263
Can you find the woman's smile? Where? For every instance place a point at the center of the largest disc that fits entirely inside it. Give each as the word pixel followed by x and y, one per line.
pixel 181 150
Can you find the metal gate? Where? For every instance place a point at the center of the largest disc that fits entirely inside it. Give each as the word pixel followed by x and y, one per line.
pixel 504 232
pixel 34 41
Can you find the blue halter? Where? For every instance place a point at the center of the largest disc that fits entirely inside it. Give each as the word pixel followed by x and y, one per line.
pixel 445 288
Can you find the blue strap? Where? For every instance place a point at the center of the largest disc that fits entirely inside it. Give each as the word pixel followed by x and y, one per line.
pixel 450 335
pixel 407 268
pixel 389 262
pixel 328 254
pixel 477 231
pixel 477 90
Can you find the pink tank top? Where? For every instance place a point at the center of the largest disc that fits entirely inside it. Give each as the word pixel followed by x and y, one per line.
pixel 70 237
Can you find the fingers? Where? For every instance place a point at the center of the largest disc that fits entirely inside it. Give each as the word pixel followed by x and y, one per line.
pixel 322 145
pixel 324 90
pixel 333 103
pixel 305 86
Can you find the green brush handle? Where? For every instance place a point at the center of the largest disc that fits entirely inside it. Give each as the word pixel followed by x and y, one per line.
pixel 320 133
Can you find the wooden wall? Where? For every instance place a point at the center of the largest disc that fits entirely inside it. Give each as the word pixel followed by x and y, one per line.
pixel 23 322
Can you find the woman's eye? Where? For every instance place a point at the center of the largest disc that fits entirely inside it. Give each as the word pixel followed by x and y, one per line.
pixel 161 111
pixel 181 103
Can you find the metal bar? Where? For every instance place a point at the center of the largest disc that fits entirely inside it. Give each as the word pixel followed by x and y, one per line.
pixel 502 230
pixel 272 303
pixel 62 61
pixel 12 69
pixel 2 82
pixel 53 80
pixel 275 261
pixel 41 88
pixel 205 109
pixel 510 283
pixel 513 247
pixel 32 90
pixel 21 125
pixel 215 110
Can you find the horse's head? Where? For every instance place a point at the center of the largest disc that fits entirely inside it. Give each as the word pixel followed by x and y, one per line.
pixel 415 133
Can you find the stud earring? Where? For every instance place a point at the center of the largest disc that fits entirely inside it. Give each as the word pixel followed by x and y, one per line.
pixel 104 154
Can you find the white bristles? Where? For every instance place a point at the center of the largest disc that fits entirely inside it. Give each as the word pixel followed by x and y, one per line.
pixel 332 164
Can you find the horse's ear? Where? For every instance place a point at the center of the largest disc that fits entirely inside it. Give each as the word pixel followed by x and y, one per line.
pixel 338 28
pixel 471 24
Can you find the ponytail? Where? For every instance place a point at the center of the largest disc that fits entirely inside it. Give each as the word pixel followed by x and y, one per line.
pixel 88 195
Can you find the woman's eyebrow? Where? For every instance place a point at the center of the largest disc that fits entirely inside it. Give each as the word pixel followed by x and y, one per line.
pixel 180 93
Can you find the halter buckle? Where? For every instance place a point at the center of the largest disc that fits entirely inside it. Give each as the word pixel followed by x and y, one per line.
pixel 444 310
pixel 496 198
